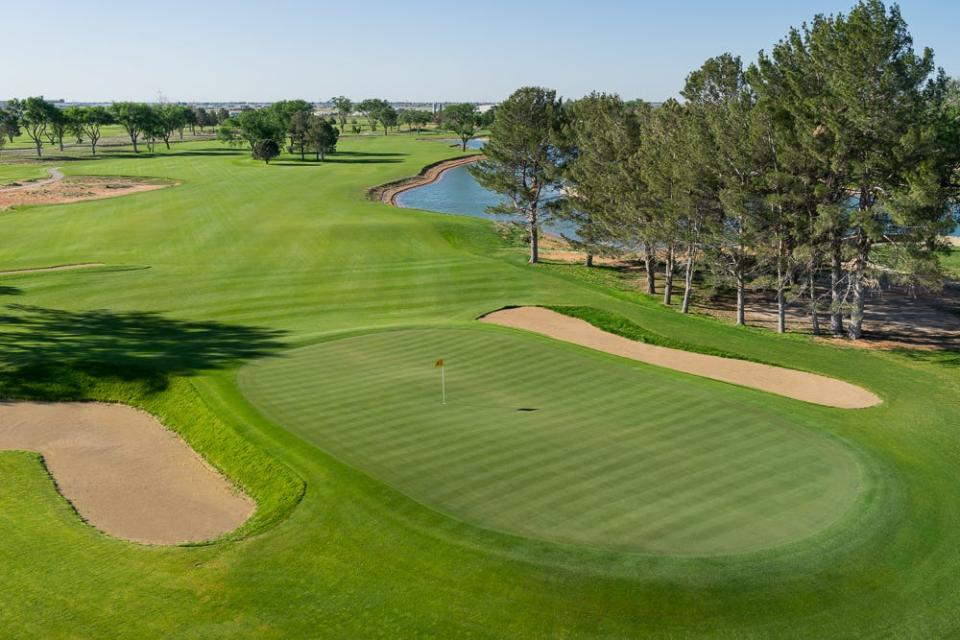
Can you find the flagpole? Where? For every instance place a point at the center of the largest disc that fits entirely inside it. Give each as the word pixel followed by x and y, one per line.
pixel 443 386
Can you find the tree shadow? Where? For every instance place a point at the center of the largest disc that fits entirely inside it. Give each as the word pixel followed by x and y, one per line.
pixel 312 162
pixel 57 354
pixel 363 154
pixel 6 290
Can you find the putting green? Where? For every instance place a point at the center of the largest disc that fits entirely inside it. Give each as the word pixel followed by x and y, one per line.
pixel 562 444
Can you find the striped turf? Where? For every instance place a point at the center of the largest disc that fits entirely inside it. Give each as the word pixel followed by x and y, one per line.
pixel 615 455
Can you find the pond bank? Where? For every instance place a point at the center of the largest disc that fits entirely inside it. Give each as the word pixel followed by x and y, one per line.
pixel 387 193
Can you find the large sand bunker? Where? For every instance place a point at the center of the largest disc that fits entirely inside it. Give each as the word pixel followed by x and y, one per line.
pixel 124 472
pixel 64 190
pixel 799 385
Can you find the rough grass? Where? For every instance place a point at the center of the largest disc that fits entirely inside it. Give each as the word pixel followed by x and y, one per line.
pixel 247 261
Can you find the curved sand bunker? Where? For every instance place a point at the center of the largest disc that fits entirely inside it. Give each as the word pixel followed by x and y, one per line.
pixel 124 472
pixel 799 385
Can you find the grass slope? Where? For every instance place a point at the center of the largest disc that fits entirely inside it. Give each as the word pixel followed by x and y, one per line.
pixel 243 261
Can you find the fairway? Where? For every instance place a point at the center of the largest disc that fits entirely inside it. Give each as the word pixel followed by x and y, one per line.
pixel 285 327
pixel 561 444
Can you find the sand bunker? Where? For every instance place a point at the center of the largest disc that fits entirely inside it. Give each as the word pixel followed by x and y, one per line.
pixel 124 472
pixel 60 190
pixel 799 385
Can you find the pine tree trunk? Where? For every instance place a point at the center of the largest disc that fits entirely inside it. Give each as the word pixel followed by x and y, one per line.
pixel 741 294
pixel 589 261
pixel 781 285
pixel 814 310
pixel 650 263
pixel 688 279
pixel 836 277
pixel 668 276
pixel 534 239
pixel 855 327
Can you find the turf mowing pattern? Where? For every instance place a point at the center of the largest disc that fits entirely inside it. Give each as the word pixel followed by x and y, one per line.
pixel 244 265
pixel 615 456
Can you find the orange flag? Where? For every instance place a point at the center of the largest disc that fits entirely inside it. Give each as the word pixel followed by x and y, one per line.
pixel 438 363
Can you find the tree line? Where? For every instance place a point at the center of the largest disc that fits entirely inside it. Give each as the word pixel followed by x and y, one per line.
pixel 45 123
pixel 819 171
pixel 288 123
pixel 462 119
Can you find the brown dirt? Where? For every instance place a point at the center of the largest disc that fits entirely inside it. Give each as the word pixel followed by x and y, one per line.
pixel 799 385
pixel 388 193
pixel 124 472
pixel 893 319
pixel 75 189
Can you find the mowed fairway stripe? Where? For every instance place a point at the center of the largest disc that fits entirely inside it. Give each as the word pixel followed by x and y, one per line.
pixel 615 455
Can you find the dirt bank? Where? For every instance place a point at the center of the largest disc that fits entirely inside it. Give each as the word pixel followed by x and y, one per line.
pixel 387 193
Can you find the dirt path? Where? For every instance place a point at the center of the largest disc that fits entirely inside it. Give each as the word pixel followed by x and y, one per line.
pixel 124 472
pixel 799 385
pixel 55 176
pixel 387 193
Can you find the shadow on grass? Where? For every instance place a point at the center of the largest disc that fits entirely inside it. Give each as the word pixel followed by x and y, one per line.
pixel 10 291
pixel 945 358
pixel 54 354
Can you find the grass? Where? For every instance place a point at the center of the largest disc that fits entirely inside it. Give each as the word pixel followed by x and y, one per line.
pixel 588 451
pixel 246 265
pixel 19 172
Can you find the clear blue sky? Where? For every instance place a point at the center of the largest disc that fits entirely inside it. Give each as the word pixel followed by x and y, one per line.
pixel 423 50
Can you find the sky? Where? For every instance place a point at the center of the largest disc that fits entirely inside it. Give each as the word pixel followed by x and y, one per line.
pixel 251 50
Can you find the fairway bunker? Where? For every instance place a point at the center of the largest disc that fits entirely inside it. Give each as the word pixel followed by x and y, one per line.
pixel 790 383
pixel 125 473
pixel 65 190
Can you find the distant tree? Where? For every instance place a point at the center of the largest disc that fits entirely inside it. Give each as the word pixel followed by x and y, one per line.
pixel 10 119
pixel 388 117
pixel 521 159
pixel 74 117
pixel 322 137
pixel 222 115
pixel 487 117
pixel 284 112
pixel 36 117
pixel 299 130
pixel 265 150
pixel 89 120
pixel 201 118
pixel 134 117
pixel 371 109
pixel 416 119
pixel 154 126
pixel 343 107
pixel 229 132
pixel 463 120
pixel 3 141
pixel 264 131
pixel 172 118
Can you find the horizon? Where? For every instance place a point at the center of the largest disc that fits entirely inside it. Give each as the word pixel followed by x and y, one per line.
pixel 316 53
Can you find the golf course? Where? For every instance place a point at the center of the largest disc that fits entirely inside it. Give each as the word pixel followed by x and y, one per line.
pixel 285 327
